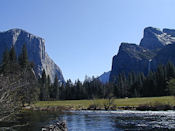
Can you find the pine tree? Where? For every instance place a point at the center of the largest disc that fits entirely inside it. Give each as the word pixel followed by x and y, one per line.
pixel 44 91
pixel 14 66
pixel 160 80
pixel 23 58
pixel 43 77
pixel 13 58
pixel 68 87
pixel 170 70
pixel 121 84
pixel 78 85
pixel 171 87
pixel 48 81
pixel 55 87
pixel 149 85
pixel 5 61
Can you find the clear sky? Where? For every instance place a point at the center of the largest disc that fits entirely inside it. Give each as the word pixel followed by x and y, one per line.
pixel 82 36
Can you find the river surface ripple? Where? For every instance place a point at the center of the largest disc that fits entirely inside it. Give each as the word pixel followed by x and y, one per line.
pixel 119 120
pixel 95 120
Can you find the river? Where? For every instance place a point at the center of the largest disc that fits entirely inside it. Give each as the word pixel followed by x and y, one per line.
pixel 97 120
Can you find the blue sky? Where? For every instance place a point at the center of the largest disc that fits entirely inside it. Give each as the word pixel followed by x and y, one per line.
pixel 82 36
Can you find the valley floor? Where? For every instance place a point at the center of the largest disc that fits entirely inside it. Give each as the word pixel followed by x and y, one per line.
pixel 125 103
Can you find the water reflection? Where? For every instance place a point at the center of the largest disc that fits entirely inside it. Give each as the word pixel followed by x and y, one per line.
pixel 121 120
pixel 97 120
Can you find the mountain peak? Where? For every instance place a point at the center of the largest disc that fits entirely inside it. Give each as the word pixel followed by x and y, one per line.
pixel 154 38
pixel 156 47
pixel 17 31
pixel 169 32
pixel 149 31
pixel 36 51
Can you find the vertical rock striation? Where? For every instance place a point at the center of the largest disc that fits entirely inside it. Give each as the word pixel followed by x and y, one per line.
pixel 156 47
pixel 36 51
pixel 130 58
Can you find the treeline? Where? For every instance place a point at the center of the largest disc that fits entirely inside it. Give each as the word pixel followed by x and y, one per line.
pixel 156 83
pixel 18 82
pixel 10 61
pixel 89 89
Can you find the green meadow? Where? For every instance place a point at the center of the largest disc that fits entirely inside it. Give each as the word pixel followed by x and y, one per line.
pixel 119 102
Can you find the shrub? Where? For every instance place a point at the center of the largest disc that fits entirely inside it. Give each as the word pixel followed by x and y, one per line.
pixel 95 105
pixel 109 104
pixel 155 106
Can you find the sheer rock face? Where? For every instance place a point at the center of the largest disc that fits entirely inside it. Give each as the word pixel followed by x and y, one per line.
pixel 154 38
pixel 166 54
pixel 157 47
pixel 36 51
pixel 130 58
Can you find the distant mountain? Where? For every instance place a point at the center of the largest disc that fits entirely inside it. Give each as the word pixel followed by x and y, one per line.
pixel 156 47
pixel 36 51
pixel 104 78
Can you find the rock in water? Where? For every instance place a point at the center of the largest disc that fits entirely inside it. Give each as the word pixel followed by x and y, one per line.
pixel 57 126
pixel 36 51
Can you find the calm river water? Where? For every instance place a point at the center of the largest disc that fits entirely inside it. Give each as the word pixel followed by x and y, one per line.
pixel 98 120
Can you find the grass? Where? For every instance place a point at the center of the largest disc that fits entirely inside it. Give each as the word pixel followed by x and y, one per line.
pixel 119 102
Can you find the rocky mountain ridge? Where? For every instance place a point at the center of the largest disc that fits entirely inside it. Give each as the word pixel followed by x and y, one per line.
pixel 154 38
pixel 36 51
pixel 156 47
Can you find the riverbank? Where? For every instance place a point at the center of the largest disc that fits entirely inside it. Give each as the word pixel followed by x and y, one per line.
pixel 121 104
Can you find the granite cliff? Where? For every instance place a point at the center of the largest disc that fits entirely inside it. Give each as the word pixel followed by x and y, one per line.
pixel 36 51
pixel 155 39
pixel 156 47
